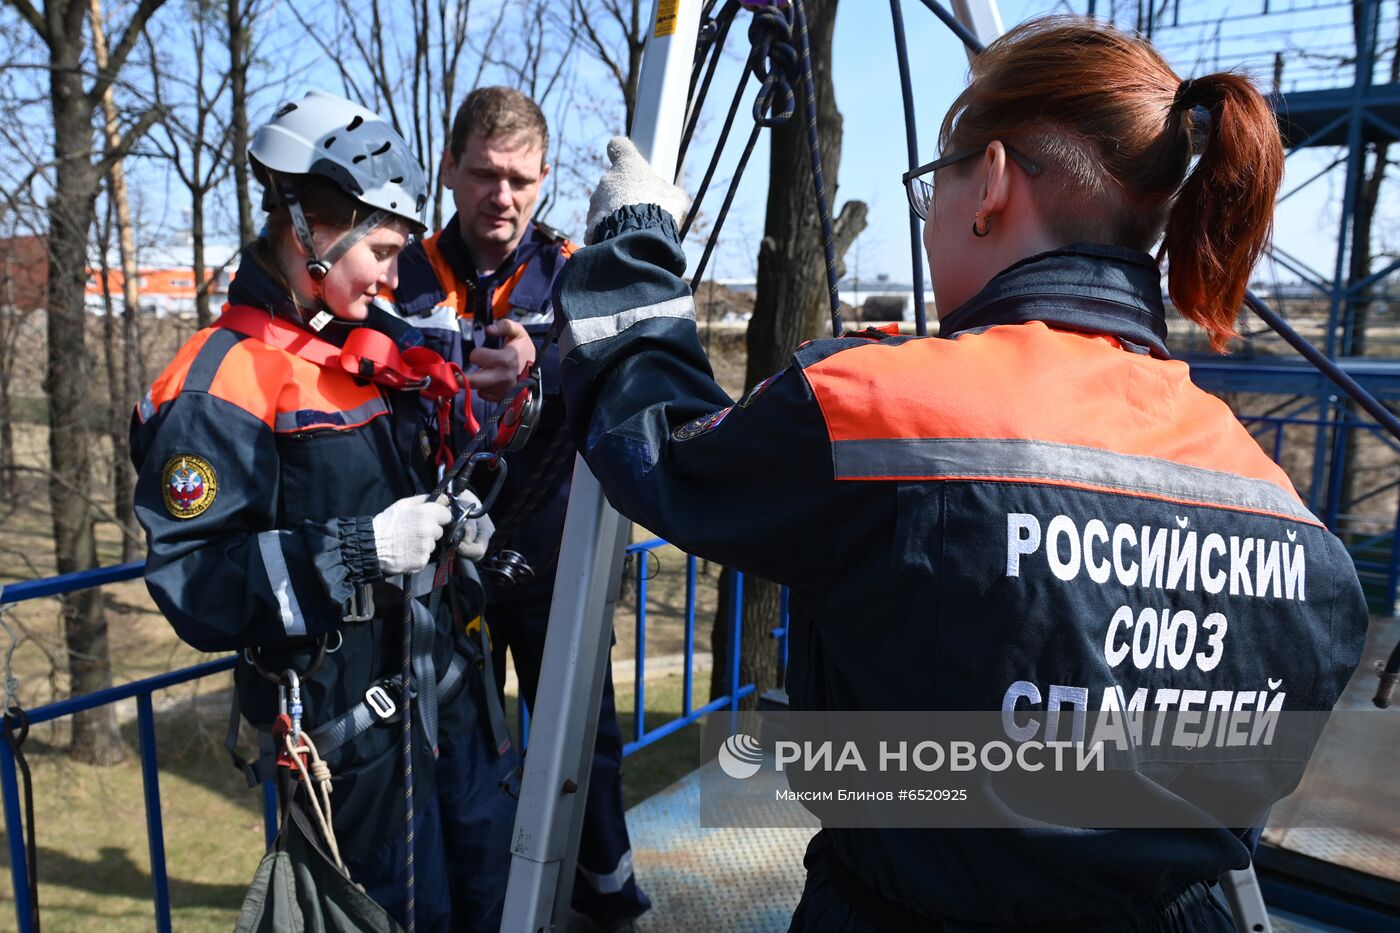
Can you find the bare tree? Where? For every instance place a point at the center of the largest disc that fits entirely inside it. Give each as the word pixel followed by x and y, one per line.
pixel 194 139
pixel 790 307
pixel 126 389
pixel 76 94
pixel 395 71
pixel 615 33
pixel 241 14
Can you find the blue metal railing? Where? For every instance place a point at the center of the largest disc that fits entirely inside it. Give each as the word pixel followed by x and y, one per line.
pixel 140 690
pixel 1364 548
pixel 641 736
pixel 689 713
pixel 143 690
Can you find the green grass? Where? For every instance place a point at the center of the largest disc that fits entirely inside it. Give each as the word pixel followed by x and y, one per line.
pixel 93 858
pixel 94 866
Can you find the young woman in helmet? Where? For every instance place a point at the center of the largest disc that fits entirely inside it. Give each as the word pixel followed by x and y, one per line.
pixel 998 518
pixel 282 490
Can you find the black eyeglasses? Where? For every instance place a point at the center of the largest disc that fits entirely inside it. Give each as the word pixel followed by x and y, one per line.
pixel 918 182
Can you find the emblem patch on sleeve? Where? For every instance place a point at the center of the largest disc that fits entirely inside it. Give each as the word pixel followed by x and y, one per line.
pixel 700 425
pixel 189 485
pixel 759 389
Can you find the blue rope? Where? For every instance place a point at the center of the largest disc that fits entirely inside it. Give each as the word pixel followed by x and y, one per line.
pixel 410 908
pixel 911 140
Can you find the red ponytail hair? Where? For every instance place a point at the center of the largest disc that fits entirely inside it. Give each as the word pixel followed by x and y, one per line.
pixel 1113 125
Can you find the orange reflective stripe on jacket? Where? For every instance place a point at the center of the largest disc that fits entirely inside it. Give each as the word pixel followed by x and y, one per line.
pixel 456 292
pixel 1019 402
pixel 278 388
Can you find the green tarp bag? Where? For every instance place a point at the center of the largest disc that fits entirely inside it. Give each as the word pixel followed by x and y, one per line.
pixel 298 889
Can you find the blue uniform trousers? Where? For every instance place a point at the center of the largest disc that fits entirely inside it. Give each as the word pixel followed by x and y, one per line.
pixel 463 820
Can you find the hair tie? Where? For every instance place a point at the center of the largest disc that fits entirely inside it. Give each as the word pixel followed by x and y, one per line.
pixel 1182 100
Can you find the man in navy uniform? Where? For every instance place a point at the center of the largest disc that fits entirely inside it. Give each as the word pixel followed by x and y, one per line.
pixel 477 289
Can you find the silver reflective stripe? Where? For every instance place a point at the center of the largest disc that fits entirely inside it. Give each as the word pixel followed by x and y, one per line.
pixel 614 880
pixel 286 421
pixel 147 407
pixel 275 563
pixel 441 317
pixel 587 330
pixel 995 458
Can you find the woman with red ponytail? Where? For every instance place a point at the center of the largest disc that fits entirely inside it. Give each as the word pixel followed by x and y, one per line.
pixel 1034 515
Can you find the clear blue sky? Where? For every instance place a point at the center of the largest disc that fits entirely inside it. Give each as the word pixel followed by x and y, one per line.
pixel 873 156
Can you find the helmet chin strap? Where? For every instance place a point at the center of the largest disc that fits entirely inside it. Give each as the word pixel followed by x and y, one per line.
pixel 318 266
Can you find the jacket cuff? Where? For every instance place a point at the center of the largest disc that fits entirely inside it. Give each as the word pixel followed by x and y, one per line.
pixel 357 550
pixel 637 217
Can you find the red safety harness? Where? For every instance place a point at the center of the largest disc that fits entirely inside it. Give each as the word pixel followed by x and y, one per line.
pixel 366 354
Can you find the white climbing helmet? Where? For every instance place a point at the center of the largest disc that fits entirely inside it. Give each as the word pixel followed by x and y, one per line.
pixel 326 135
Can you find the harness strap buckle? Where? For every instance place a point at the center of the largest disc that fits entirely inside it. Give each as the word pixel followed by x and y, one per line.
pixel 360 607
pixel 381 702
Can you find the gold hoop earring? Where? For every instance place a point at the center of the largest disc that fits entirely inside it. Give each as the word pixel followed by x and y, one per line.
pixel 986 226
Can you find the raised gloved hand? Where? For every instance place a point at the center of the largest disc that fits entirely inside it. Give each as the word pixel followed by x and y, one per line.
pixel 406 532
pixel 476 532
pixel 631 181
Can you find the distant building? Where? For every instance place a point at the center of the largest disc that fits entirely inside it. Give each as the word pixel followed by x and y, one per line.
pixel 24 272
pixel 167 281
pixel 166 285
pixel 878 299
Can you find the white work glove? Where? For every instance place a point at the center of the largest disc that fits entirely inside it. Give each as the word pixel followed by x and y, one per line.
pixel 406 532
pixel 476 532
pixel 631 181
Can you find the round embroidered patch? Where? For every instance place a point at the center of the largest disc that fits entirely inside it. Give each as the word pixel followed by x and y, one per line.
pixel 189 485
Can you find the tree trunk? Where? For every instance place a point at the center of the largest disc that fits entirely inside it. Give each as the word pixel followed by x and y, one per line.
pixel 71 212
pixel 9 491
pixel 791 303
pixel 203 316
pixel 635 40
pixel 238 93
pixel 11 319
pixel 789 308
pixel 127 388
pixel 111 347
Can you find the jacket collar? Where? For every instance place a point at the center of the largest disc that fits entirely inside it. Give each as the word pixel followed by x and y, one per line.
pixel 463 264
pixel 257 287
pixel 1084 287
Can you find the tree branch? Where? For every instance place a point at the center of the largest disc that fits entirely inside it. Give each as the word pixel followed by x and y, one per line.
pixel 849 224
pixel 135 27
pixel 31 16
pixel 129 138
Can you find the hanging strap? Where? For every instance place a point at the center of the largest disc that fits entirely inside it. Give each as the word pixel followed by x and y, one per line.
pixel 495 713
pixel 366 354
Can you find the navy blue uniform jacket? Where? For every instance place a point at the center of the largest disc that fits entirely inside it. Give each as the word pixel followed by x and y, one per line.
pixel 443 296
pixel 962 522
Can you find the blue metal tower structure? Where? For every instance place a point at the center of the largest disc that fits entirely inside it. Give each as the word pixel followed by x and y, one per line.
pixel 1333 69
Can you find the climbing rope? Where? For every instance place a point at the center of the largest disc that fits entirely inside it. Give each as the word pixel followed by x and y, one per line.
pixel 781 55
pixel 317 777
pixel 407 751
